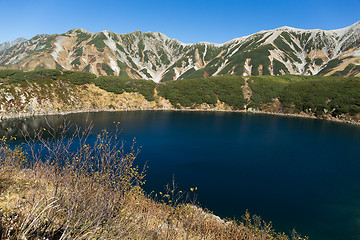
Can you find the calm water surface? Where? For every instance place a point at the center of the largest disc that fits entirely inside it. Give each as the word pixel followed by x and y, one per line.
pixel 298 173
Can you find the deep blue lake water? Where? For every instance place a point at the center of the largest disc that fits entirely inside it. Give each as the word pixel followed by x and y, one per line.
pixel 298 173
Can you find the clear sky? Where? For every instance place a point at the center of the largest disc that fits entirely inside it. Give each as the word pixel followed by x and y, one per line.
pixel 189 21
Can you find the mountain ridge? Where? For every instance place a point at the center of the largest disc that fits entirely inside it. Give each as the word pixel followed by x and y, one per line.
pixel 155 56
pixel 8 44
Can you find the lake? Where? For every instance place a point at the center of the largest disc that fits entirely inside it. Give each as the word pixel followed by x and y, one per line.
pixel 298 173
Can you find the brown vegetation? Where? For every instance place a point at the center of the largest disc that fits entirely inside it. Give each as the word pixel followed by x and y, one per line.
pixel 94 192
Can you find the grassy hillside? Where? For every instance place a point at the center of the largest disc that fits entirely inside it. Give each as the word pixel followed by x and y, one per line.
pixel 326 97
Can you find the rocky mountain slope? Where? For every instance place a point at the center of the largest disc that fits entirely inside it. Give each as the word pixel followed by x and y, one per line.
pixel 9 44
pixel 156 57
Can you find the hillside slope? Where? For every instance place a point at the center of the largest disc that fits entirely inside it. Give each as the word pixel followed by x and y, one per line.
pixel 46 92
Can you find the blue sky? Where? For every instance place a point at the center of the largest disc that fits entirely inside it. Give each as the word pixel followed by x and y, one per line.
pixel 186 20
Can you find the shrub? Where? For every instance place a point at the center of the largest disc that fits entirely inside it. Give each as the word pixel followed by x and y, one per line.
pixel 79 78
pixel 36 75
pixel 194 92
pixel 76 188
pixel 335 94
pixel 8 72
pixel 48 72
pixel 266 88
pixel 76 193
pixel 119 85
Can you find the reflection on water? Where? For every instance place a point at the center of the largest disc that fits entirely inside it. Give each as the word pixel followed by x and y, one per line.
pixel 15 128
pixel 28 126
pixel 301 173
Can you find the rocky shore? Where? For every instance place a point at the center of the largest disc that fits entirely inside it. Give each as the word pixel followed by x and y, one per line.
pixel 13 115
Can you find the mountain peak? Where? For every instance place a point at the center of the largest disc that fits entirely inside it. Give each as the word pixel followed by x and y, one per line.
pixel 79 30
pixel 289 28
pixel 9 44
pixel 343 31
pixel 18 40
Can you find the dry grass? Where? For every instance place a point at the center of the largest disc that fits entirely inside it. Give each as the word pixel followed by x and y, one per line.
pixel 95 193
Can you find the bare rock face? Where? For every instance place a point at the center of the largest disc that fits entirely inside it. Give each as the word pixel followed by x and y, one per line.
pixel 156 57
pixel 9 44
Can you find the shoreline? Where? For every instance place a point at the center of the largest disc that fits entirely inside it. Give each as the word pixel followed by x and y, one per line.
pixel 294 115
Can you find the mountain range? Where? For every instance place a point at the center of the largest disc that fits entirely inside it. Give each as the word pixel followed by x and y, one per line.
pixel 9 44
pixel 154 56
